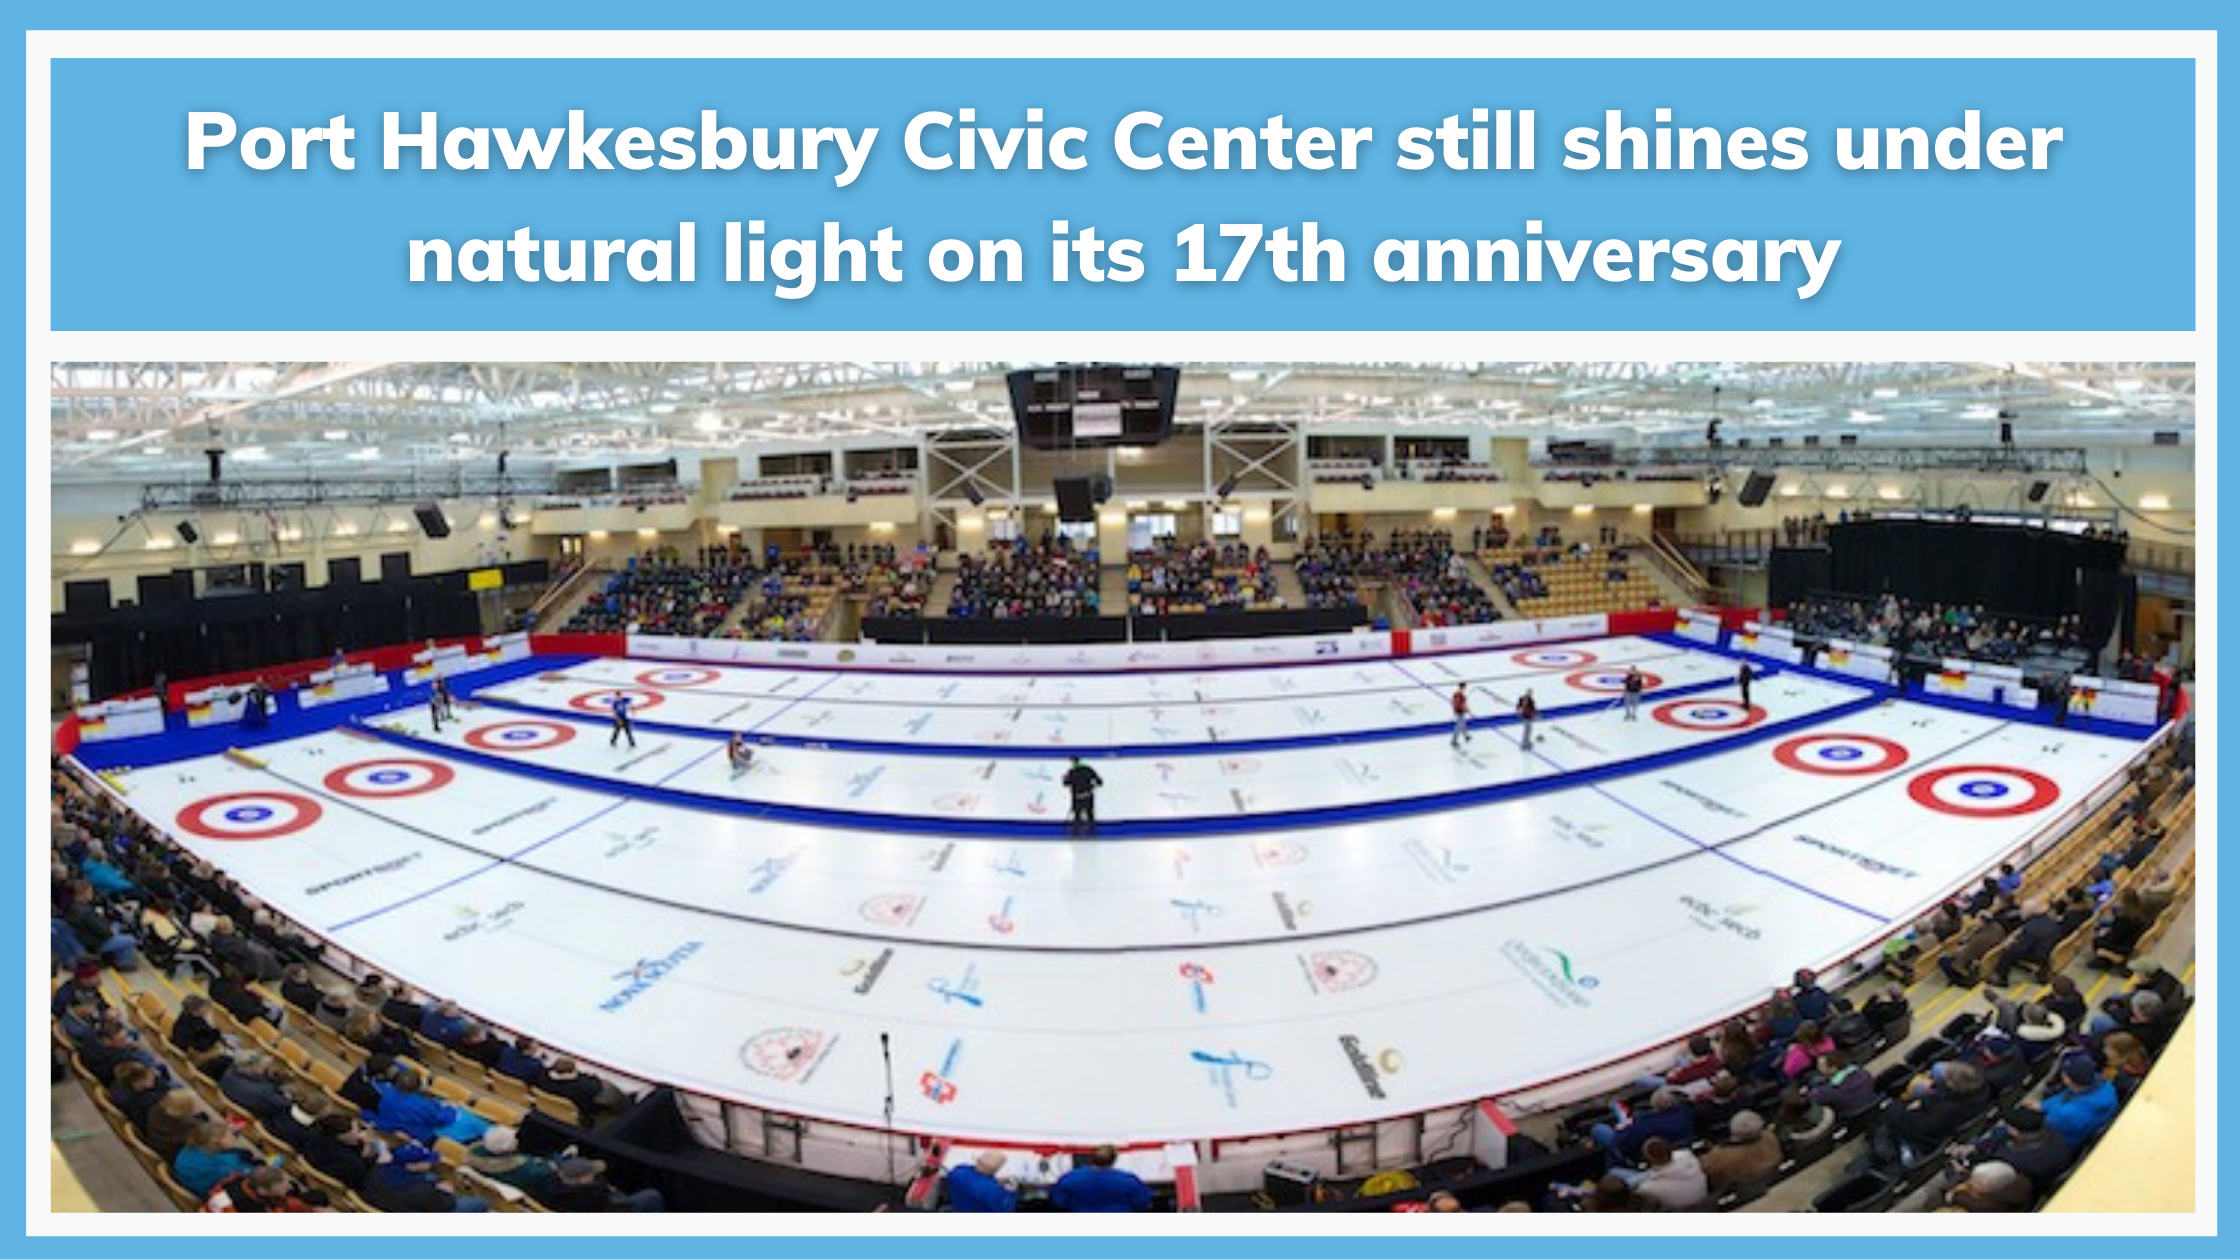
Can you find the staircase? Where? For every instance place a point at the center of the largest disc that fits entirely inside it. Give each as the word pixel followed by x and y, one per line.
pixel 559 605
pixel 1483 576
pixel 1683 584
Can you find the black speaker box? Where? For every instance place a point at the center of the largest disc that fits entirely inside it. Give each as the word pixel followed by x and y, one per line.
pixel 1756 488
pixel 432 521
pixel 1076 499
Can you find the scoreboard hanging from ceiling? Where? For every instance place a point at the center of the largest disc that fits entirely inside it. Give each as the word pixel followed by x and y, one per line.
pixel 1096 404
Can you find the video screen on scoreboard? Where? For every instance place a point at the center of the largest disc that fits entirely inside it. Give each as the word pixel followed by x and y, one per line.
pixel 1098 404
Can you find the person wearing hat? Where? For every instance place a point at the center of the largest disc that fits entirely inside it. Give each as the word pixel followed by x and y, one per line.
pixel 1998 1055
pixel 580 1185
pixel 84 981
pixel 406 1181
pixel 2081 1102
pixel 1082 783
pixel 1751 1151
pixel 973 1187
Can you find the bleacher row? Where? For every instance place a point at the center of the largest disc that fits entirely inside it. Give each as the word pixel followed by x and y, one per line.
pixel 314 1063
pixel 1557 582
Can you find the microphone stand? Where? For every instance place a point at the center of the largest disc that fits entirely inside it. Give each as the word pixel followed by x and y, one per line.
pixel 886 1056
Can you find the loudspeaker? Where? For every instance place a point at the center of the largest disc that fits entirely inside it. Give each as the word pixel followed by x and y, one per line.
pixel 1756 488
pixel 432 521
pixel 972 494
pixel 1100 488
pixel 2006 433
pixel 2038 491
pixel 187 533
pixel 1075 502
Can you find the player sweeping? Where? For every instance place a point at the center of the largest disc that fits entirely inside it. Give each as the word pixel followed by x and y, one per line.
pixel 742 755
pixel 1635 685
pixel 621 706
pixel 439 703
pixel 1083 783
pixel 1528 712
pixel 1742 680
pixel 1461 703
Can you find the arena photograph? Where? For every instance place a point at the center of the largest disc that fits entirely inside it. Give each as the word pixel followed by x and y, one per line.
pixel 1283 789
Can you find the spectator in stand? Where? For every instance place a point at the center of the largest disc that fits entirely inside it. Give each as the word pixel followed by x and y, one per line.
pixel 591 1095
pixel 580 1185
pixel 264 1189
pixel 477 1045
pixel 370 1031
pixel 406 1108
pixel 173 1120
pixel 362 1088
pixel 1097 1185
pixel 2127 1063
pixel 138 1088
pixel 1667 1116
pixel 518 1059
pixel 1750 1153
pixel 1672 1178
pixel 1994 1186
pixel 256 1083
pixel 1845 1088
pixel 406 1181
pixel 2081 1102
pixel 115 1045
pixel 212 1153
pixel 444 1023
pixel 230 990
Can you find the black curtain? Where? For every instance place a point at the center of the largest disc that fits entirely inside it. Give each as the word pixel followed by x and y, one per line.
pixel 1792 572
pixel 2005 568
pixel 130 646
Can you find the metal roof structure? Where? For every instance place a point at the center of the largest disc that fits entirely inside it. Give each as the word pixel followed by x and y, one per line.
pixel 155 420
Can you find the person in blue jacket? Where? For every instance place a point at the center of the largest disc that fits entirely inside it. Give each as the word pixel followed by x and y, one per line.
pixel 2084 1102
pixel 620 704
pixel 973 1187
pixel 1095 1185
pixel 405 1109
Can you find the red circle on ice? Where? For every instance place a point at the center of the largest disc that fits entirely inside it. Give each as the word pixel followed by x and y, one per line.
pixel 526 736
pixel 389 777
pixel 1983 791
pixel 1609 682
pixel 1842 754
pixel 1708 715
pixel 1554 658
pixel 602 702
pixel 678 677
pixel 249 816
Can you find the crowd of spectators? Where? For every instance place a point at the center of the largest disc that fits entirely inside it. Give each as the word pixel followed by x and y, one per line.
pixel 656 593
pixel 124 899
pixel 1422 565
pixel 1017 580
pixel 1911 627
pixel 1169 578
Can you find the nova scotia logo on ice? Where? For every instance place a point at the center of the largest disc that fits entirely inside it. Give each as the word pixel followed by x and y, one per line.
pixel 645 973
